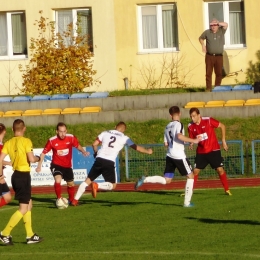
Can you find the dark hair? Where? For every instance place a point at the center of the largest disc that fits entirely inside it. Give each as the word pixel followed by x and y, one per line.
pixel 2 128
pixel 60 124
pixel 121 123
pixel 174 110
pixel 194 109
pixel 18 125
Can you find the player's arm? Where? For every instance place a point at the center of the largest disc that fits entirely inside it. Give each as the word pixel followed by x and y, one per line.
pixel 39 165
pixel 141 149
pixel 224 25
pixel 2 156
pixel 187 139
pixel 32 158
pixel 223 134
pixel 82 150
pixel 95 145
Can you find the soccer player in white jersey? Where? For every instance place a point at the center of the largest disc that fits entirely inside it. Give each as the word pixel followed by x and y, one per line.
pixel 174 139
pixel 112 142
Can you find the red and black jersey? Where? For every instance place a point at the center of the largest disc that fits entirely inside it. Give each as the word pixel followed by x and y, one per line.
pixel 205 129
pixel 62 149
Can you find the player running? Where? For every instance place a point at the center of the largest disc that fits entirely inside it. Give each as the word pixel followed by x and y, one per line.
pixel 174 139
pixel 208 150
pixel 61 146
pixel 112 142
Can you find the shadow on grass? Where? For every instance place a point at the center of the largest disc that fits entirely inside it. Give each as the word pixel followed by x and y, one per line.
pixel 218 221
pixel 107 203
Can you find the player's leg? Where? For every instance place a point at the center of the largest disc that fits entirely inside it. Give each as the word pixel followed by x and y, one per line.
pixel 216 162
pixel 201 161
pixel 168 175
pixel 110 176
pixel 68 176
pixel 185 169
pixel 93 174
pixel 57 175
pixel 5 194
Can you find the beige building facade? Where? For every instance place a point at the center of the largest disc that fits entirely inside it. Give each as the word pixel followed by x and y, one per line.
pixel 136 44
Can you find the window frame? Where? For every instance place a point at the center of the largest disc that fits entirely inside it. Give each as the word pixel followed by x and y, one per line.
pixel 225 4
pixel 74 14
pixel 160 48
pixel 10 55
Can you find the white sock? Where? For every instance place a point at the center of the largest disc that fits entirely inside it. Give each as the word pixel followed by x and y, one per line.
pixel 81 190
pixel 188 191
pixel 155 179
pixel 105 186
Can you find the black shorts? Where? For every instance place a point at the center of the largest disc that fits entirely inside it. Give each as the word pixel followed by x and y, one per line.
pixel 213 158
pixel 104 167
pixel 4 189
pixel 183 166
pixel 21 182
pixel 66 173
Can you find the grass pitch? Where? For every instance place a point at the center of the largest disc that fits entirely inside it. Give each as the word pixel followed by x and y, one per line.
pixel 142 225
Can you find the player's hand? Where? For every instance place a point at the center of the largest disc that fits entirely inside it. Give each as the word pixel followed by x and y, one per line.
pixel 191 146
pixel 2 177
pixel 225 145
pixel 150 151
pixel 38 169
pixel 85 153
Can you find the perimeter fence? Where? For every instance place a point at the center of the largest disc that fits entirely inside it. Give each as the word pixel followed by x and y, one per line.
pixel 237 161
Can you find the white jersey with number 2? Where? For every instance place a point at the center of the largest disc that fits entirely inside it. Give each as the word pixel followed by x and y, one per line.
pixel 112 142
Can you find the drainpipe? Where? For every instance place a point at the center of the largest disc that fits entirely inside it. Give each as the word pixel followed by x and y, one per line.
pixel 126 83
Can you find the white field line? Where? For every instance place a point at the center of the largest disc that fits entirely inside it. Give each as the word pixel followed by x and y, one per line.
pixel 134 253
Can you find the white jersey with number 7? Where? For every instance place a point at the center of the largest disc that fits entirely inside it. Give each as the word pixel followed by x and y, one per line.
pixel 112 142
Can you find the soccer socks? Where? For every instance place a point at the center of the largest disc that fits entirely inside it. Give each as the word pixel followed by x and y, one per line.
pixel 105 186
pixel 81 190
pixel 27 219
pixel 14 220
pixel 188 191
pixel 2 202
pixel 155 179
pixel 196 177
pixel 57 188
pixel 71 192
pixel 223 179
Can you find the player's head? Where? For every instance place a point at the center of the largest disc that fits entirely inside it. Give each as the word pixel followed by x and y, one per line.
pixel 61 130
pixel 195 115
pixel 2 128
pixel 174 110
pixel 121 127
pixel 18 126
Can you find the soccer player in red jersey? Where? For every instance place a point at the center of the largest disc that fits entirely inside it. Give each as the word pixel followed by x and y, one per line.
pixel 61 165
pixel 5 194
pixel 208 149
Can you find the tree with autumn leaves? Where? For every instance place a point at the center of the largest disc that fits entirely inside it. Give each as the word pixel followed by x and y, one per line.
pixel 56 66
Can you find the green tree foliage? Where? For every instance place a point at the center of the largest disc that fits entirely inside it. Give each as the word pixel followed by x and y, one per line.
pixel 253 71
pixel 55 66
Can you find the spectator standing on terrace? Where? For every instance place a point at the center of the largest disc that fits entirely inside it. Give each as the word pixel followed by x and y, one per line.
pixel 20 150
pixel 215 41
pixel 61 166
pixel 112 142
pixel 174 139
pixel 208 150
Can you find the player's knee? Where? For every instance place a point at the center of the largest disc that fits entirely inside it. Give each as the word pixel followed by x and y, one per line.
pixel 70 184
pixel 168 180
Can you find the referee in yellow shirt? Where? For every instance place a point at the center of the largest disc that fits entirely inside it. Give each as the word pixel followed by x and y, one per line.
pixel 20 151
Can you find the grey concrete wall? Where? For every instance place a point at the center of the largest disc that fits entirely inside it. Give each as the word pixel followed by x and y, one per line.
pixel 132 108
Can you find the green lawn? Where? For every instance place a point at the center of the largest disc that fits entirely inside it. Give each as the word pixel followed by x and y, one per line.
pixel 142 225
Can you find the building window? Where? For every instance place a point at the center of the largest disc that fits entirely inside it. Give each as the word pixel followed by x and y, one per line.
pixel 231 12
pixel 13 40
pixel 81 20
pixel 157 28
